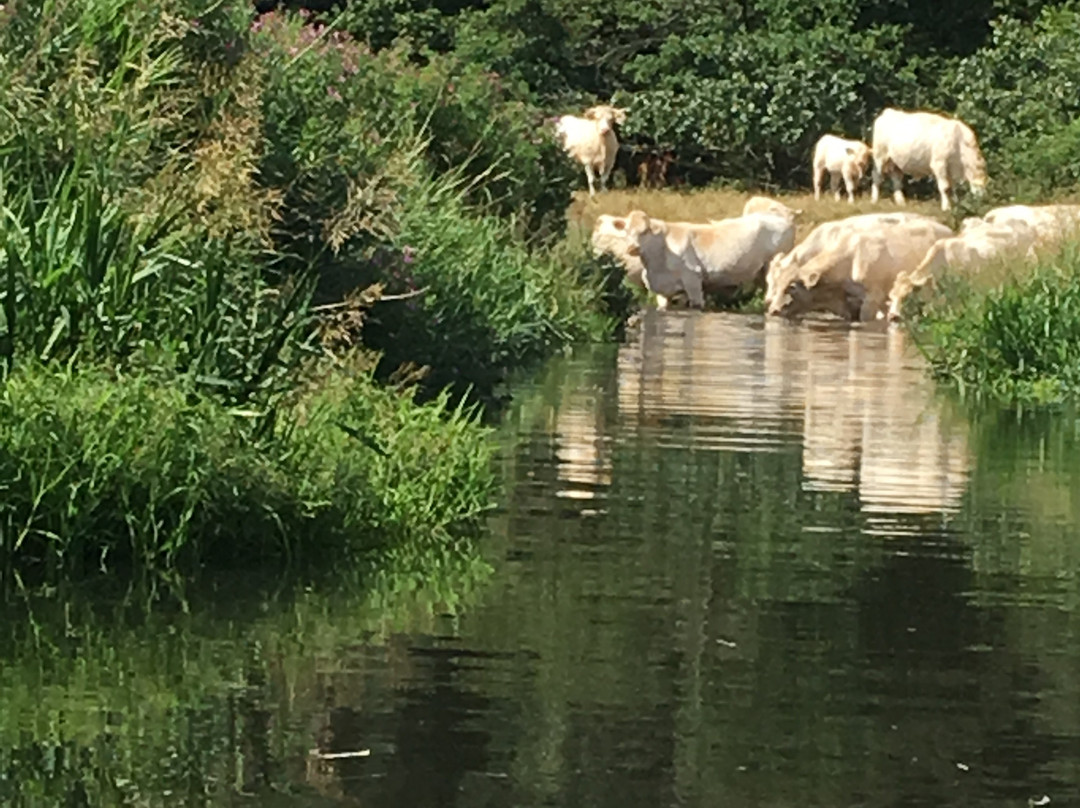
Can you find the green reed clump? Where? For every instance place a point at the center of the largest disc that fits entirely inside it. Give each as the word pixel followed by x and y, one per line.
pixel 1015 336
pixel 475 302
pixel 107 469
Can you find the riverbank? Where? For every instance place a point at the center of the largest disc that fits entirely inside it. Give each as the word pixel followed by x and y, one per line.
pixel 1010 331
pixel 252 271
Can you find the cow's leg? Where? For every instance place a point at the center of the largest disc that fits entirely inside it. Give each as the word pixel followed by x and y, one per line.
pixel 834 184
pixel 897 177
pixel 691 273
pixel 662 302
pixel 691 282
pixel 819 177
pixel 941 174
pixel 875 179
pixel 589 177
pixel 850 183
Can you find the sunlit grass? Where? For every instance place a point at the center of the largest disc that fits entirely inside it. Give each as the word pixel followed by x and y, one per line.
pixel 1011 332
pixel 719 203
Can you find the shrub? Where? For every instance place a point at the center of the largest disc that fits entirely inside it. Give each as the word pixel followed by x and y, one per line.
pixel 1021 94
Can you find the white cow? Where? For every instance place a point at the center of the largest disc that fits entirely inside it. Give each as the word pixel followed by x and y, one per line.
pixel 841 159
pixel 591 141
pixel 609 236
pixel 856 272
pixel 783 266
pixel 698 258
pixel 973 246
pixel 922 144
pixel 1051 223
pixel 763 204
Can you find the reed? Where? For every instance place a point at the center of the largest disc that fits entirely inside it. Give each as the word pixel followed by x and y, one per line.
pixel 108 470
pixel 1011 332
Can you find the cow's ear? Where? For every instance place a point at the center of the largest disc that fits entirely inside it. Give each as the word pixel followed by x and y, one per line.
pixel 619 224
pixel 812 279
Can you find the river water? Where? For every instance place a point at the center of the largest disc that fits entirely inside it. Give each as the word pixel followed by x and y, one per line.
pixel 739 562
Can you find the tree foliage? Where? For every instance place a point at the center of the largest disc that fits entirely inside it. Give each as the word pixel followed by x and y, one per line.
pixel 741 89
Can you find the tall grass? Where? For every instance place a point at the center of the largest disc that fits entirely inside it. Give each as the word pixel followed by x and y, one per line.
pixel 1013 333
pixel 477 302
pixel 107 470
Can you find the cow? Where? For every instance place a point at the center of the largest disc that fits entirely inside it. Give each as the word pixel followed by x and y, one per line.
pixel 763 204
pixel 1051 223
pixel 922 144
pixel 697 258
pixel 591 141
pixel 974 246
pixel 784 266
pixel 653 169
pixel 843 159
pixel 854 275
pixel 609 236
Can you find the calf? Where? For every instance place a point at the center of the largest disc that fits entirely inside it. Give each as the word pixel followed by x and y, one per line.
pixel 840 158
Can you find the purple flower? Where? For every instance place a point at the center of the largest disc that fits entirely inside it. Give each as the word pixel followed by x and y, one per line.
pixel 408 255
pixel 333 93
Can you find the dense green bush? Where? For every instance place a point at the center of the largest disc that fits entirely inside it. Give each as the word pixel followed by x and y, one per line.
pixel 348 128
pixel 1016 339
pixel 1021 93
pixel 178 181
pixel 741 89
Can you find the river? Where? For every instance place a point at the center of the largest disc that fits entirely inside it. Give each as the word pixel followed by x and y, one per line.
pixel 739 562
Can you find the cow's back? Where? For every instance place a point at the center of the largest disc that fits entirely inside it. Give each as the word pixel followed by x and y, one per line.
pixel 734 251
pixel 908 139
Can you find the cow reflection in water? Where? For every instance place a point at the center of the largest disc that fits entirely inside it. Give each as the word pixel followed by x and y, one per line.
pixel 859 399
pixel 584 462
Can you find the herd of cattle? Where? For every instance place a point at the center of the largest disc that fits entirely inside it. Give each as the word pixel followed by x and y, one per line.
pixel 859 267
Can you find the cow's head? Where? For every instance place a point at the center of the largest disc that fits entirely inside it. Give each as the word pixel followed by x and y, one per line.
pixel 778 275
pixel 606 116
pixel 974 169
pixel 794 287
pixel 860 156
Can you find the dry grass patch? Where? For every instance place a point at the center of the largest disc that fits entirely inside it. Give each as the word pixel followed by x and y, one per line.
pixel 704 204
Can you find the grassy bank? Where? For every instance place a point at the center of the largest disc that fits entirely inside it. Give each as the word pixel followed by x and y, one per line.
pixel 104 470
pixel 1010 331
pixel 248 268
pixel 701 204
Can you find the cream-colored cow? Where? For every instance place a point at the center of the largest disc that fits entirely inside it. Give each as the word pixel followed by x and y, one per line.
pixel 925 144
pixel 974 246
pixel 591 141
pixel 860 265
pixel 840 158
pixel 697 258
pixel 783 267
